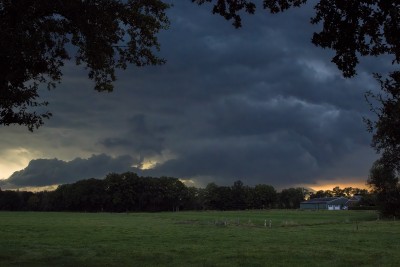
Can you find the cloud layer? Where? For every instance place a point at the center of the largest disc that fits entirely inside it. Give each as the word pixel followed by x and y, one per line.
pixel 43 172
pixel 260 104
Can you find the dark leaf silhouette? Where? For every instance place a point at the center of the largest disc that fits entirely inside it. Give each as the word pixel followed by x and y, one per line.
pixel 38 37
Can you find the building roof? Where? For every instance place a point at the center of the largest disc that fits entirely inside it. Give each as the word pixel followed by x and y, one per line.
pixel 322 200
pixel 356 198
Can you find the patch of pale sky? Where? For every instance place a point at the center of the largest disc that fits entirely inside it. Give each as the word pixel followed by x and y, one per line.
pixel 152 161
pixel 319 70
pixel 15 159
pixel 324 111
pixel 188 182
pixel 36 188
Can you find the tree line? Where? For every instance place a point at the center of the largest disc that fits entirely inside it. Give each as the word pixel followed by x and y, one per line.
pixel 128 192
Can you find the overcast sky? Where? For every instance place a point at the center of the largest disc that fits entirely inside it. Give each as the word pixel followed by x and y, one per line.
pixel 260 104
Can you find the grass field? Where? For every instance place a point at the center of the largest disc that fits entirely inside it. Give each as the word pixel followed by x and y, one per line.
pixel 295 238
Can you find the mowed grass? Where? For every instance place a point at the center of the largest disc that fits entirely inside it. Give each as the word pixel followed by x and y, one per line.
pixel 295 238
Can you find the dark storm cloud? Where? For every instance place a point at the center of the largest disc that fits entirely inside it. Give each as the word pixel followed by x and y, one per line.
pixel 253 160
pixel 261 104
pixel 42 172
pixel 272 107
pixel 141 138
pixel 283 142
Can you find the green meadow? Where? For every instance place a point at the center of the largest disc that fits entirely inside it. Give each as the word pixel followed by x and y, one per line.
pixel 238 238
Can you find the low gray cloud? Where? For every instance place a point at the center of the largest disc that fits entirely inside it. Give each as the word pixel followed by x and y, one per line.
pixel 43 172
pixel 282 142
pixel 141 138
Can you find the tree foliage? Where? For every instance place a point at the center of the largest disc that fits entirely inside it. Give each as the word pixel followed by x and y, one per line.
pixel 385 183
pixel 290 198
pixel 386 128
pixel 386 140
pixel 264 196
pixel 38 37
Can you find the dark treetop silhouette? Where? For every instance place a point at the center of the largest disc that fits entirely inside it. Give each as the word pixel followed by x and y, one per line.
pixel 38 37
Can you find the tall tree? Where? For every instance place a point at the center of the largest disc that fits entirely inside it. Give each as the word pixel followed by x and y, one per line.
pixel 386 140
pixel 321 193
pixel 386 129
pixel 290 198
pixel 385 184
pixel 121 191
pixel 338 192
pixel 173 192
pixel 218 197
pixel 38 37
pixel 238 195
pixel 264 196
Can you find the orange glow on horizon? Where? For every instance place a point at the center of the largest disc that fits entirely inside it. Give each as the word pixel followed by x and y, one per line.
pixel 330 185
